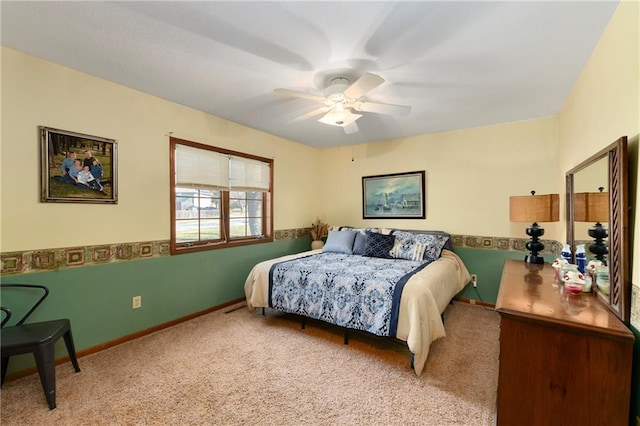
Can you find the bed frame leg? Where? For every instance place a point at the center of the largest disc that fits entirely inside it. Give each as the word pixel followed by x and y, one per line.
pixel 263 314
pixel 346 337
pixel 303 323
pixel 412 364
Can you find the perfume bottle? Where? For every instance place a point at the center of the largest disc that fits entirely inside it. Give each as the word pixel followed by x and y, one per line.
pixel 581 258
pixel 566 252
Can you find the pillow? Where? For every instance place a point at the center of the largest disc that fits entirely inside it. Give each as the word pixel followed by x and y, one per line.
pixel 361 237
pixel 433 250
pixel 378 245
pixel 361 230
pixel 340 242
pixel 359 242
pixel 413 251
pixel 418 246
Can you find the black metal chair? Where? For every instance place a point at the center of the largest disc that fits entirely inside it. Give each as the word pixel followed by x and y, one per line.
pixel 39 339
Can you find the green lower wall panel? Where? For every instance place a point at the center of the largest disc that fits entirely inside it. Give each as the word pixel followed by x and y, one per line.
pixel 97 299
pixel 487 265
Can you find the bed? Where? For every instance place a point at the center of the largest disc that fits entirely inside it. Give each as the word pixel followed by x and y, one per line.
pixel 388 282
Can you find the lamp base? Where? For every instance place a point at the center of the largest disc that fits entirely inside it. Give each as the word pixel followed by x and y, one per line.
pixel 530 258
pixel 599 248
pixel 535 246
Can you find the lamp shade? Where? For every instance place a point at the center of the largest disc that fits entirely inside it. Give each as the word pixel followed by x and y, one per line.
pixel 591 207
pixel 534 208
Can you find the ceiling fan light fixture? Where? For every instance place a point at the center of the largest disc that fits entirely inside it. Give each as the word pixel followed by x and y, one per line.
pixel 342 98
pixel 335 90
pixel 339 118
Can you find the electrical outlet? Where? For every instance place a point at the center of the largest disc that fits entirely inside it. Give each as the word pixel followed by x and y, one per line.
pixel 474 279
pixel 137 302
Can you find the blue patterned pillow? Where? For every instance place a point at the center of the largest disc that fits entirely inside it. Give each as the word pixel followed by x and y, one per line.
pixel 378 245
pixel 340 242
pixel 416 246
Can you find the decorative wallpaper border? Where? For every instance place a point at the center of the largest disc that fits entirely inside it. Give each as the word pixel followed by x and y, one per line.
pixel 292 234
pixel 24 262
pixel 501 243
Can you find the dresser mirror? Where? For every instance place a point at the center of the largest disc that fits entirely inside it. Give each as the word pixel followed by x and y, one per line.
pixel 597 194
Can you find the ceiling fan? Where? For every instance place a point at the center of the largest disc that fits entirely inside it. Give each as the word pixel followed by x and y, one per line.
pixel 341 99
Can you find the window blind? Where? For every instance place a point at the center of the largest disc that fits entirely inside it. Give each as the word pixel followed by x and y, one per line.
pixel 201 168
pixel 248 175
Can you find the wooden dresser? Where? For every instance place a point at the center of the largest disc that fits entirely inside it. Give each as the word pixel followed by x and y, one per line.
pixel 564 359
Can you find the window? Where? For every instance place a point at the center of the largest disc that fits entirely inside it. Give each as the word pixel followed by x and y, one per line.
pixel 219 198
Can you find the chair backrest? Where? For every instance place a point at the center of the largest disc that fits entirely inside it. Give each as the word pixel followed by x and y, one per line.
pixel 7 311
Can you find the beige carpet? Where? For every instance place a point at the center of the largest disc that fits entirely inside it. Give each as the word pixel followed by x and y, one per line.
pixel 241 368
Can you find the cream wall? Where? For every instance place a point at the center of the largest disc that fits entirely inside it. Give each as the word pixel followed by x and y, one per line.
pixel 470 173
pixel 470 176
pixel 36 92
pixel 605 104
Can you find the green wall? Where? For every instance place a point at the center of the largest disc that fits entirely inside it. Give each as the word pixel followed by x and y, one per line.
pixel 487 264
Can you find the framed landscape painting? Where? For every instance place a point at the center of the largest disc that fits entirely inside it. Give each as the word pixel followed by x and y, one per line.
pixel 77 168
pixel 394 196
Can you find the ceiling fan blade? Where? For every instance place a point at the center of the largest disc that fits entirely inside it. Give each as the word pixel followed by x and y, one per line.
pixel 390 109
pixel 311 114
pixel 350 128
pixel 300 94
pixel 363 85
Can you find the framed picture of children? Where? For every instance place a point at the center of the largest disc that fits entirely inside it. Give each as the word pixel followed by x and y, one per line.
pixel 77 168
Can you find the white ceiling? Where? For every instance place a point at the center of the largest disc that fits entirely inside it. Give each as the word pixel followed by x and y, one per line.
pixel 457 64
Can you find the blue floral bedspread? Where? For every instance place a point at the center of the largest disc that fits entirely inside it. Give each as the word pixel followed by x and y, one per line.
pixel 352 291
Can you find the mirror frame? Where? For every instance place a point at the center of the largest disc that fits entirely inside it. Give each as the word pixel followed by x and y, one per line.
pixel 619 299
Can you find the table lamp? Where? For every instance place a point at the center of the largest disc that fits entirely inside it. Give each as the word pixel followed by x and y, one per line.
pixel 534 208
pixel 594 207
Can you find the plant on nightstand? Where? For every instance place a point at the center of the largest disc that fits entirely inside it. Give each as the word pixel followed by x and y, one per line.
pixel 319 230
